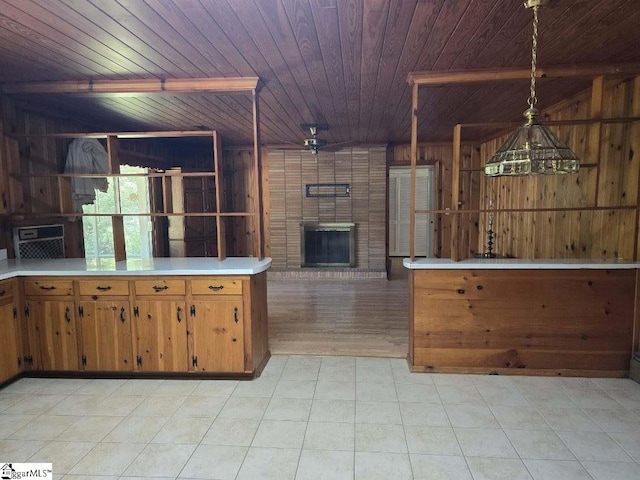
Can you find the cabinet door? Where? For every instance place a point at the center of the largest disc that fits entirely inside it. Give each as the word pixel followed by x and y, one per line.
pixel 54 324
pixel 9 342
pixel 106 335
pixel 160 331
pixel 217 331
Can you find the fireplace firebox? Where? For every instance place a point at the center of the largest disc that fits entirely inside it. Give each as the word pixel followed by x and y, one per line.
pixel 328 244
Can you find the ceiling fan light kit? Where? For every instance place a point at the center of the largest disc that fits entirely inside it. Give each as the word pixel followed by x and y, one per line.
pixel 532 149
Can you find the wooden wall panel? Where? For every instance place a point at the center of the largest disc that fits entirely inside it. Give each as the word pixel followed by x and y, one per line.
pixel 364 168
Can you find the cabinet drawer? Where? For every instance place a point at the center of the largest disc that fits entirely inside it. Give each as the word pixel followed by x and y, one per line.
pixel 48 287
pixel 160 287
pixel 216 286
pixel 104 287
pixel 6 291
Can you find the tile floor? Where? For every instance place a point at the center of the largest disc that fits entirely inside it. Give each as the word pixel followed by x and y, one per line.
pixel 327 418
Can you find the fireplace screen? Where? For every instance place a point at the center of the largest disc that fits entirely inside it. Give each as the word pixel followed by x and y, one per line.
pixel 328 245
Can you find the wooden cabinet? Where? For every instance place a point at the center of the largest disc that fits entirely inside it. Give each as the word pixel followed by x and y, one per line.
pixel 160 335
pixel 217 334
pixel 10 338
pixel 104 313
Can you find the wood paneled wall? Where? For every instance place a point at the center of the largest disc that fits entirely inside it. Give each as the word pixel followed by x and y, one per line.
pixel 607 183
pixel 363 168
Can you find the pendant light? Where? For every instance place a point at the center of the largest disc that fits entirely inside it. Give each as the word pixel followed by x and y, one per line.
pixel 532 149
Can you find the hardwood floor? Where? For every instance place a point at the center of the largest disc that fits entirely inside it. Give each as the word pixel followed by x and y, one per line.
pixel 364 317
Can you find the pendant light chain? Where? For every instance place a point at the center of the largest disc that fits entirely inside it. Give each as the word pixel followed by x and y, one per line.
pixel 534 58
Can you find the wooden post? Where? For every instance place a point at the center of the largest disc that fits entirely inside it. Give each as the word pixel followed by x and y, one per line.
pixel 117 221
pixel 455 195
pixel 595 132
pixel 221 239
pixel 414 161
pixel 258 244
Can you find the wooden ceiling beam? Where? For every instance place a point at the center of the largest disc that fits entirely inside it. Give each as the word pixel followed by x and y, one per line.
pixel 170 85
pixel 453 77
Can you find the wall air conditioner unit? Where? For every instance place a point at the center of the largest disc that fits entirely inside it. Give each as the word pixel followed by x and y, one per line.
pixel 39 242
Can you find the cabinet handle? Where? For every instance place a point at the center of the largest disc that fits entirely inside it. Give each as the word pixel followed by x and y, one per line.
pixel 42 287
pixel 67 315
pixel 235 314
pixel 179 314
pixel 122 317
pixel 159 289
pixel 2 292
pixel 103 289
pixel 216 288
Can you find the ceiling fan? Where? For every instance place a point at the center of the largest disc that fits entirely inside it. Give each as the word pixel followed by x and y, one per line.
pixel 315 144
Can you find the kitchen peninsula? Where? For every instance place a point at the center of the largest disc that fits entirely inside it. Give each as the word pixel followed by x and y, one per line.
pixel 546 317
pixel 157 317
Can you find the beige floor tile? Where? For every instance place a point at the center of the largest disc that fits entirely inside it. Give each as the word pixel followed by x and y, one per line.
pixel 174 387
pixel 577 382
pixel 535 383
pixel 380 438
pixel 269 464
pixel 460 395
pixel 485 442
pixel 280 434
pixel 471 416
pixel 259 388
pixel 626 398
pixel 19 450
pixel 337 373
pixel 571 419
pixel 294 389
pixel 12 423
pixel 614 420
pixel 445 379
pixel 76 405
pixel 405 377
pixel 546 397
pixel 63 455
pixel 45 427
pixel 137 387
pixel 159 406
pixel 65 386
pixel 89 429
pixel 373 362
pixel 248 408
pixel 504 381
pixel 417 393
pixel 158 460
pixel 136 430
pixel 382 466
pixel 424 414
pixel 183 430
pixel 630 442
pixel 108 458
pixel 439 467
pixel 9 399
pixel 295 409
pixel 376 392
pixel 338 361
pixel 325 465
pixel 102 387
pixel 484 468
pixel 300 372
pixel 593 446
pixel 374 374
pixel 589 398
pixel 231 431
pixel 378 412
pixel 556 470
pixel 613 470
pixel 502 396
pixel 28 385
pixel 296 361
pixel 329 436
pixel 539 445
pixel 214 462
pixel 335 391
pixel 521 418
pixel 607 384
pixel 117 405
pixel 93 477
pixel 432 440
pixel 201 406
pixel 343 411
pixel 35 404
pixel 215 388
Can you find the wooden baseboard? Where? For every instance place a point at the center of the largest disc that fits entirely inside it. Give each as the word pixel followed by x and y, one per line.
pixel 523 371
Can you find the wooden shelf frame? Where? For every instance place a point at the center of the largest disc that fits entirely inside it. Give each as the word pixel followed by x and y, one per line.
pixel 447 78
pixel 222 85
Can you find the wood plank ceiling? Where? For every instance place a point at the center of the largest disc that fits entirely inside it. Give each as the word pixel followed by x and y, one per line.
pixel 339 62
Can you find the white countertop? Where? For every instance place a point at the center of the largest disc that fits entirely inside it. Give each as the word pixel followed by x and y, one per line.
pixel 153 266
pixel 517 263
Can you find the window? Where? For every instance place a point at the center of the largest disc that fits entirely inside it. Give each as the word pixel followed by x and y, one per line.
pixel 399 206
pixel 133 197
